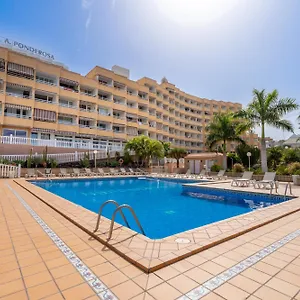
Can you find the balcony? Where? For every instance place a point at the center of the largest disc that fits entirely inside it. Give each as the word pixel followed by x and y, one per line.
pixel 68 85
pixel 20 71
pixel 105 81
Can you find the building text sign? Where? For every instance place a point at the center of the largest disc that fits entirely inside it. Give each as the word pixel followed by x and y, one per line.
pixel 20 46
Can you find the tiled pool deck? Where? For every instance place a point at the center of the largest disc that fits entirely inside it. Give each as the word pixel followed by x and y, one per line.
pixel 46 256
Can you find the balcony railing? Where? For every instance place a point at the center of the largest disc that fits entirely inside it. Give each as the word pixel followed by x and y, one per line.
pixel 12 140
pixel 46 82
pixel 18 95
pixel 17 115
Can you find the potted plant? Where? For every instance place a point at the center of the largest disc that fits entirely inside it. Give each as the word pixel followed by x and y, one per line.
pixel 294 170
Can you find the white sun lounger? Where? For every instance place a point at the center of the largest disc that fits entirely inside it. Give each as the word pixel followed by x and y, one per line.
pixel 267 182
pixel 244 181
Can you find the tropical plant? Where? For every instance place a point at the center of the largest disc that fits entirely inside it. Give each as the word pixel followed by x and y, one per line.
pixel 167 148
pixel 293 168
pixel 29 158
pixel 242 151
pixel 177 153
pixel 268 109
pixel 274 155
pixel 290 155
pixel 225 128
pixel 232 158
pixel 45 156
pixel 52 162
pixel 215 168
pixel 145 149
pixel 238 168
pixel 85 161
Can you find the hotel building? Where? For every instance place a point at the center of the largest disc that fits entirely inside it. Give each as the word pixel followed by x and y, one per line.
pixel 43 100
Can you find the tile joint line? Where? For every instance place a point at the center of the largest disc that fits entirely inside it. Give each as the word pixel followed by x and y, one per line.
pixel 101 290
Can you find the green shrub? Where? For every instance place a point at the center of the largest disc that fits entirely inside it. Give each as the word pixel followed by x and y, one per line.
pixel 215 168
pixel 85 162
pixel 293 168
pixel 257 171
pixel 52 162
pixel 114 163
pixel 282 170
pixel 297 172
pixel 238 168
pixel 291 155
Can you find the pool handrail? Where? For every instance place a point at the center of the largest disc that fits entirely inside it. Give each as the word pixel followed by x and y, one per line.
pixel 114 216
pixel 100 213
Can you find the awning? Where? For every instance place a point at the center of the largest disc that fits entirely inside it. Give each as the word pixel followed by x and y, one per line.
pixel 87 119
pixel 12 67
pixel 131 116
pixel 44 115
pixel 42 130
pixel 19 86
pixel 66 115
pixel 204 155
pixel 8 105
pixel 65 133
pixel 68 81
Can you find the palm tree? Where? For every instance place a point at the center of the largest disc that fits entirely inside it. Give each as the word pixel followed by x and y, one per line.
pixel 225 128
pixel 274 156
pixel 268 109
pixel 177 153
pixel 145 149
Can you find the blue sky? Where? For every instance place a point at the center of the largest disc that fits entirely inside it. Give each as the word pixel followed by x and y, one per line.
pixel 218 49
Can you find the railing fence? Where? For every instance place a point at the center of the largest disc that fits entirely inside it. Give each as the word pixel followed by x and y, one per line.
pixel 10 171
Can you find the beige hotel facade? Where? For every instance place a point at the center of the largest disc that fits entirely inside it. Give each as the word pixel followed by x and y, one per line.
pixel 43 100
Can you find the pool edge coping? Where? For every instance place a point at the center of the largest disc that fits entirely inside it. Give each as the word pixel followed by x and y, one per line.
pixel 155 264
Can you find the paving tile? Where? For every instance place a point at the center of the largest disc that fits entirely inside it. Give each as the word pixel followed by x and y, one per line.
pixel 131 271
pixel 126 290
pixel 114 278
pixel 164 291
pixel 167 273
pixel 196 259
pixel 224 261
pixel 146 281
pixel 42 290
pixel 256 275
pixel 37 279
pixel 244 283
pixel 11 287
pixel 16 296
pixel 283 287
pixel 103 269
pixel 183 283
pixel 183 266
pixel 78 292
pixel 228 291
pixel 212 267
pixel 63 271
pixel 266 268
pixel 293 269
pixel 57 296
pixel 198 275
pixel 266 293
pixel 10 276
pixel 68 281
pixel 213 296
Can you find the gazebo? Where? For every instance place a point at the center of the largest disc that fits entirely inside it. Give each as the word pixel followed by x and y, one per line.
pixel 198 161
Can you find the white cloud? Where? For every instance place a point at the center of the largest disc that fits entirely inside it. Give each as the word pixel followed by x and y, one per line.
pixel 87 5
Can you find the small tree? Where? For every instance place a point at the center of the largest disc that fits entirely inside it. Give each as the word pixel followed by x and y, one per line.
pixel 242 151
pixel 177 153
pixel 274 155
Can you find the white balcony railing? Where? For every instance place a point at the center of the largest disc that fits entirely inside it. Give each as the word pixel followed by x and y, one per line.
pixel 9 171
pixel 12 140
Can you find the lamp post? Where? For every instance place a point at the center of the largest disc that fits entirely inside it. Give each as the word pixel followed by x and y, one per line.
pixel 95 153
pixel 249 155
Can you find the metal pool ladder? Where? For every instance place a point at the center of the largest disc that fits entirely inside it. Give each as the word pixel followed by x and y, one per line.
pixel 118 208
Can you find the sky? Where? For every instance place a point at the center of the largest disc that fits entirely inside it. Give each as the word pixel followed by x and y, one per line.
pixel 215 49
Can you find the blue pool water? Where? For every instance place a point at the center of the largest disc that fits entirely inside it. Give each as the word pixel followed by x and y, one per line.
pixel 164 207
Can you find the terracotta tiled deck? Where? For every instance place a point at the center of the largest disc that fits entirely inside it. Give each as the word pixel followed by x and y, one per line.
pixel 32 266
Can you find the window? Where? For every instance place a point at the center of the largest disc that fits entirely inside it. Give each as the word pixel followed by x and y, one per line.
pixel 13 132
pixel 45 136
pixel 45 80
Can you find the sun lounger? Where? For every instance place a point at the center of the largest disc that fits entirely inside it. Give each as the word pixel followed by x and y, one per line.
pixel 220 175
pixel 76 172
pixel 134 172
pixel 267 182
pixel 245 180
pixel 124 172
pixel 30 173
pixel 48 172
pixel 88 172
pixel 102 173
pixel 141 171
pixel 114 172
pixel 63 173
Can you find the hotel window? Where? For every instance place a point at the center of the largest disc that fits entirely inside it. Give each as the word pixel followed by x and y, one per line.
pixel 13 132
pixel 66 103
pixel 17 111
pixel 65 120
pixel 2 65
pixel 20 71
pixel 43 98
pixel 45 136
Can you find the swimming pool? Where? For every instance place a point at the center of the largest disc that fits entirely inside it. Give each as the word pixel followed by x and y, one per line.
pixel 163 207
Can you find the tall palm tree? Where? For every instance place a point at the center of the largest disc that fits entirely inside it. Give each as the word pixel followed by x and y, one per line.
pixel 225 128
pixel 268 109
pixel 177 153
